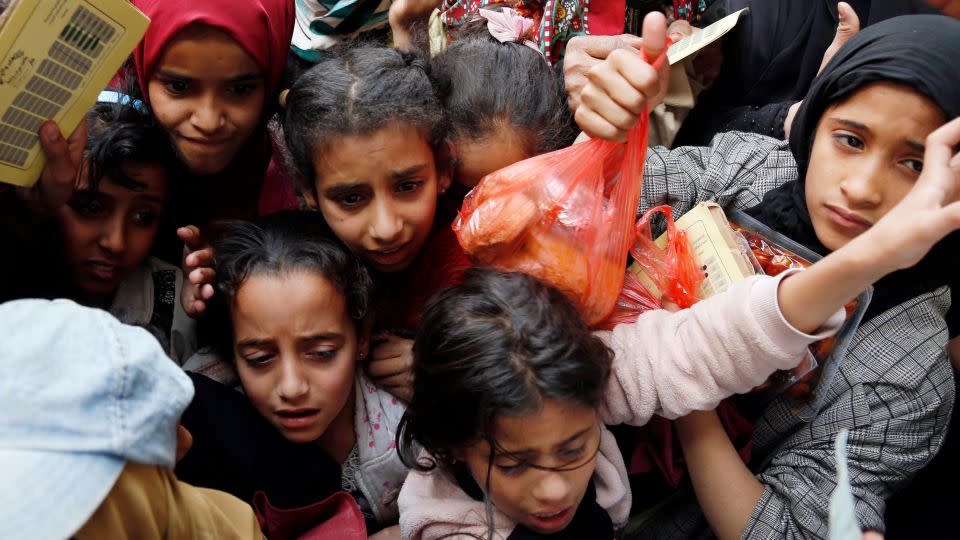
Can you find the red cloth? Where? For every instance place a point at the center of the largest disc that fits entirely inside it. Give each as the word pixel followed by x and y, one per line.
pixel 608 17
pixel 277 192
pixel 337 516
pixel 656 445
pixel 262 27
pixel 403 295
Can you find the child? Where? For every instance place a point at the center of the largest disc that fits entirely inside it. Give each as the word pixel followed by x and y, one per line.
pixel 510 387
pixel 107 228
pixel 504 101
pixel 291 320
pixel 857 150
pixel 366 135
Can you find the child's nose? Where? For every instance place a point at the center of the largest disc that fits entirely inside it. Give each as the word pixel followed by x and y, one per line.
pixel 863 188
pixel 552 488
pixel 386 225
pixel 207 116
pixel 293 384
pixel 113 236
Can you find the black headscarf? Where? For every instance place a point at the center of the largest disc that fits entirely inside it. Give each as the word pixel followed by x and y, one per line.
pixel 919 51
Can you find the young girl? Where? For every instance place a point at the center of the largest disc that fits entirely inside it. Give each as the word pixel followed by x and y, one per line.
pixel 858 145
pixel 366 136
pixel 510 387
pixel 98 243
pixel 291 319
pixel 504 101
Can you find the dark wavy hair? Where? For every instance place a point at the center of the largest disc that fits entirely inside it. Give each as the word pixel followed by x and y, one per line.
pixel 357 90
pixel 280 244
pixel 122 133
pixel 499 343
pixel 486 85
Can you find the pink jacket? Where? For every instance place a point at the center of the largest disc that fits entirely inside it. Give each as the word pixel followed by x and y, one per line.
pixel 665 363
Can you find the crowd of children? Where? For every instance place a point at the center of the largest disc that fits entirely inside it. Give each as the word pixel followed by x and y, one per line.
pixel 268 188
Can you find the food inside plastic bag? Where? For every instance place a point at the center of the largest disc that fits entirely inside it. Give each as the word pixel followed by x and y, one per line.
pixel 773 254
pixel 669 274
pixel 566 217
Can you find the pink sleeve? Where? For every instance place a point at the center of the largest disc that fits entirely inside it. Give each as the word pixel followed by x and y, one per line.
pixel 670 364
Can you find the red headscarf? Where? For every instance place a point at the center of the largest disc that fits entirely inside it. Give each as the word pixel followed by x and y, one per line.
pixel 263 28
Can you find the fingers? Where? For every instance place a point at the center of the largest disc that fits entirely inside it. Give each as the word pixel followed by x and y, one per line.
pixel 679 29
pixel 654 35
pixel 59 176
pixel 599 47
pixel 585 52
pixel 192 239
pixel 391 358
pixel 848 27
pixel 941 147
pixel 199 258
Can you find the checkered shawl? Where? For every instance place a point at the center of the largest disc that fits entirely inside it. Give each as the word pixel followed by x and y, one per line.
pixel 894 390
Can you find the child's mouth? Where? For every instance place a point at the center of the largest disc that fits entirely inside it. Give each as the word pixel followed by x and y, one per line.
pixel 297 418
pixel 552 521
pixel 102 271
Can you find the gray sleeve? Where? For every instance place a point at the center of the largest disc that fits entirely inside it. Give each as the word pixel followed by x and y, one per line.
pixel 895 393
pixel 736 170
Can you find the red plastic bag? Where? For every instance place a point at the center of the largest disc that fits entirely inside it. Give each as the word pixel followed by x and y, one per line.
pixel 672 270
pixel 566 217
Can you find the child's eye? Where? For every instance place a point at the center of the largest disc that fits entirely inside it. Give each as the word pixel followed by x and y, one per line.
pixel 350 200
pixel 258 361
pixel 572 453
pixel 513 470
pixel 409 186
pixel 88 207
pixel 323 355
pixel 915 165
pixel 242 89
pixel 849 140
pixel 176 87
pixel 144 218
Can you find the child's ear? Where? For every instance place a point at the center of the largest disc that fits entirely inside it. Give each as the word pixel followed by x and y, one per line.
pixel 310 196
pixel 446 164
pixel 363 338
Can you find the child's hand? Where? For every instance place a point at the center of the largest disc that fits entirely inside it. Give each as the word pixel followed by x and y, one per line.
pixel 198 271
pixel 64 160
pixel 928 212
pixel 391 365
pixel 404 14
pixel 623 86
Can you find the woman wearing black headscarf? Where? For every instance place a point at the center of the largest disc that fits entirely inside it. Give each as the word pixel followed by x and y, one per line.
pixel 856 149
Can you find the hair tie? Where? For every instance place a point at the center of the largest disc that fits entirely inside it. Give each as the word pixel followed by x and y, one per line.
pixel 282 98
pixel 112 96
pixel 508 26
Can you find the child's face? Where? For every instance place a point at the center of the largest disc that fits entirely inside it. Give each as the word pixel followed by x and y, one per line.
pixel 209 94
pixel 296 350
pixel 867 154
pixel 108 233
pixel 559 436
pixel 378 193
pixel 480 157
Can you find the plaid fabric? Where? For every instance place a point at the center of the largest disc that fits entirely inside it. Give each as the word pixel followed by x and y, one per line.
pixel 894 390
pixel 321 24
